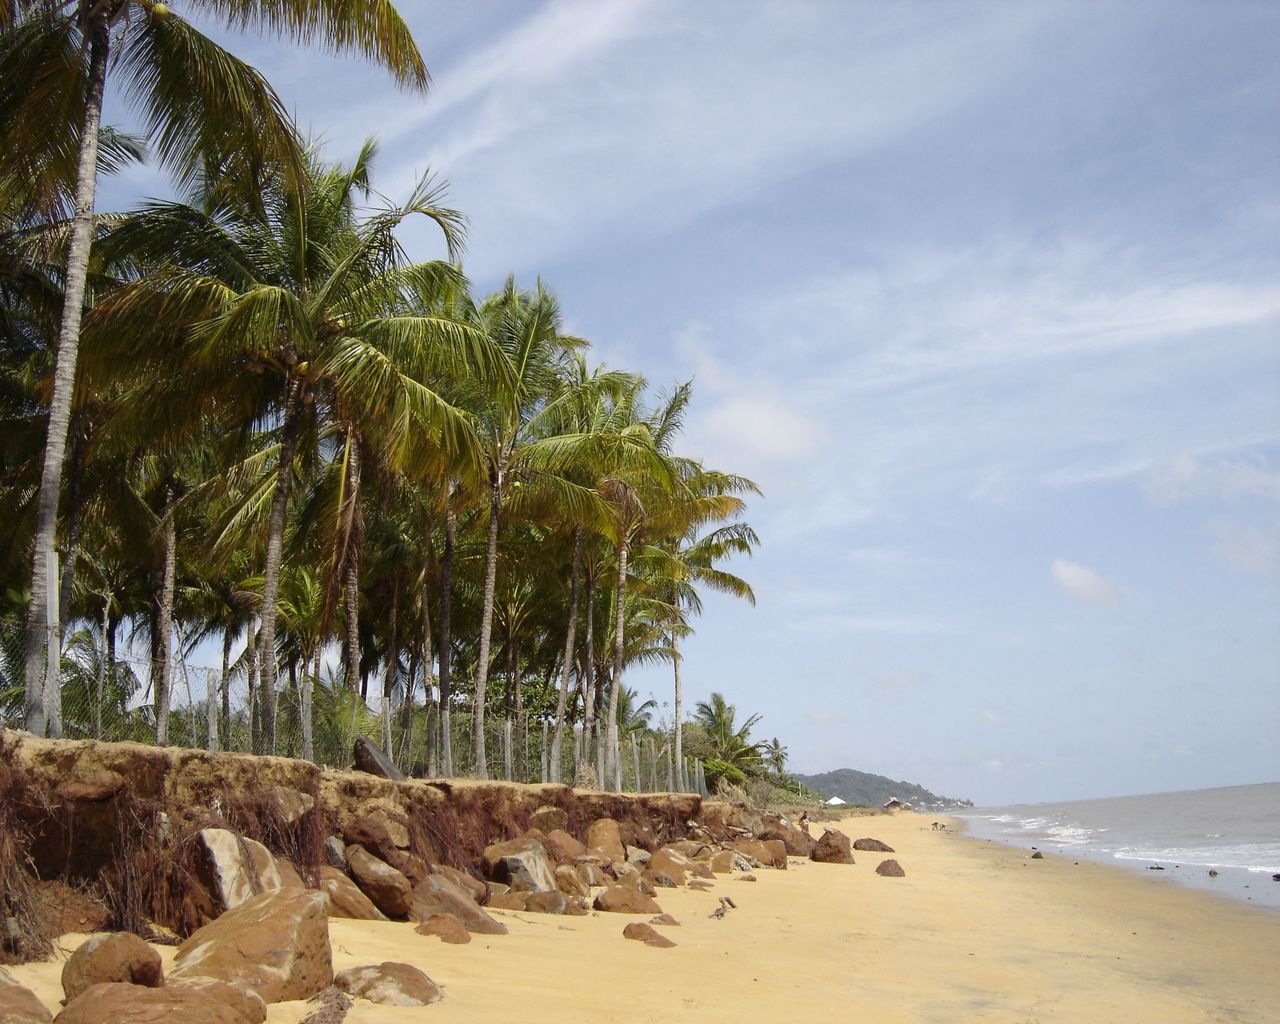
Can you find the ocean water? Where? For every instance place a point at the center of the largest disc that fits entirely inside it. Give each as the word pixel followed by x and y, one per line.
pixel 1234 831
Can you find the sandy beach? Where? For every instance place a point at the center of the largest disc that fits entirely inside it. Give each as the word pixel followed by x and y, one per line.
pixel 975 931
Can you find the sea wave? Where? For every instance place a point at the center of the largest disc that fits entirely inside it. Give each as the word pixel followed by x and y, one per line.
pixel 1261 858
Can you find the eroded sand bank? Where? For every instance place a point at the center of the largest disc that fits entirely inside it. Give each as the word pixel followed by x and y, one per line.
pixel 975 932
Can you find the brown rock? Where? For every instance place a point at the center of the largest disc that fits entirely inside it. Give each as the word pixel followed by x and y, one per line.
pixel 291 804
pixel 647 934
pixel 569 882
pixel 666 920
pixel 701 885
pixel 92 788
pixel 243 1001
pixel 276 944
pixel 234 868
pixel 343 897
pixel 770 853
pixel 591 874
pixel 872 846
pixel 372 759
pixel 377 832
pixel 832 848
pixel 617 899
pixel 479 890
pixel 545 903
pixel 721 862
pixel 798 842
pixel 289 877
pixel 575 906
pixel 19 1005
pixel 120 956
pixel 508 901
pixel 549 819
pixel 521 864
pixel 890 869
pixel 121 1003
pixel 661 880
pixel 746 878
pixel 390 984
pixel 390 891
pixel 562 847
pixel 604 837
pixel 448 927
pixel 438 893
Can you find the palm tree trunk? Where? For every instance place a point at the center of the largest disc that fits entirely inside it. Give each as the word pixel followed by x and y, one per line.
pixel 614 763
pixel 271 572
pixel 308 684
pixel 486 622
pixel 162 645
pixel 226 688
pixel 100 678
pixel 42 711
pixel 562 701
pixel 351 561
pixel 446 643
pixel 589 667
pixel 251 670
pixel 428 687
pixel 393 662
pixel 75 484
pixel 681 781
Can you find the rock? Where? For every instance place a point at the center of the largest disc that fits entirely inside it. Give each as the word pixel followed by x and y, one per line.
pixel 575 906
pixel 235 869
pixel 390 891
pixel 291 804
pixel 569 882
pixel 122 1003
pixel 545 902
pixel 701 885
pixel 1213 873
pixel 747 878
pixel 666 920
pixel 721 862
pixel 508 900
pixel 343 897
pixel 647 934
pixel 521 864
pixel 549 819
pixel 19 1005
pixel 591 874
pixel 604 837
pixel 377 832
pixel 289 877
pixel 562 847
pixel 872 846
pixel 448 927
pixel 890 869
pixel 331 1006
pixel 276 944
pixel 1037 855
pixel 832 848
pixel 797 842
pixel 335 853
pixel 120 956
pixel 91 788
pixel 770 853
pixel 243 1001
pixel 371 759
pixel 438 893
pixel 618 899
pixel 479 890
pixel 390 984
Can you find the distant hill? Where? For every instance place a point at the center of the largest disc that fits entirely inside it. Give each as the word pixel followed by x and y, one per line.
pixel 869 790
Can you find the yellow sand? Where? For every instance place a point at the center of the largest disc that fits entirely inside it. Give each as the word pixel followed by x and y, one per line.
pixel 975 932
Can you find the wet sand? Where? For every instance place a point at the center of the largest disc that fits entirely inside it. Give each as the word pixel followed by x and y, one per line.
pixel 975 932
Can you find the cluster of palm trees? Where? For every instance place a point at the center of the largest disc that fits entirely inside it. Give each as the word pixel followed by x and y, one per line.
pixel 247 418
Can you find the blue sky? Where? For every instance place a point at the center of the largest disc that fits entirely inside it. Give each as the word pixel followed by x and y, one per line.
pixel 985 296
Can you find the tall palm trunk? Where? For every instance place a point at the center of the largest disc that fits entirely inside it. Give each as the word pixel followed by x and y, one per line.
pixel 162 644
pixel 681 782
pixel 446 643
pixel 351 560
pixel 43 710
pixel 389 677
pixel 308 683
pixel 75 485
pixel 562 701
pixel 225 724
pixel 271 572
pixel 589 677
pixel 486 621
pixel 615 758
pixel 427 687
pixel 100 677
pixel 251 674
pixel 507 771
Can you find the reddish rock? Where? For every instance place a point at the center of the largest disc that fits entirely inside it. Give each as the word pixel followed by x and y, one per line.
pixel 19 1005
pixel 832 848
pixel 549 819
pixel 276 944
pixel 569 882
pixel 448 927
pixel 508 900
pixel 289 877
pixel 291 804
pixel 617 899
pixel 545 903
pixel 234 868
pixel 647 934
pixel 721 862
pixel 243 1001
pixel 747 878
pixel 769 853
pixel 390 984
pixel 521 864
pixel 604 837
pixel 666 920
pixel 91 788
pixel 479 890
pixel 122 1003
pixel 798 843
pixel 120 956
pixel 343 897
pixel 890 869
pixel 437 893
pixel 872 846
pixel 562 847
pixel 390 891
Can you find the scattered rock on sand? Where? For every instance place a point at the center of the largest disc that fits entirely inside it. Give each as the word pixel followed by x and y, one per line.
pixel 331 1006
pixel 872 846
pixel 120 956
pixel 234 868
pixel 448 927
pixel 276 944
pixel 665 919
pixel 768 852
pixel 1037 855
pixel 373 760
pixel 121 1003
pixel 438 892
pixel 832 848
pixel 377 832
pixel 521 864
pixel 508 900
pixel 390 891
pixel 617 899
pixel 343 897
pixel 548 818
pixel 890 869
pixel 647 934
pixel 569 882
pixel 545 902
pixel 19 1005
pixel 603 836
pixel 746 878
pixel 389 983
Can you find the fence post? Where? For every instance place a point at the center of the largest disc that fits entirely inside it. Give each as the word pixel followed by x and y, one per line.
pixel 211 708
pixel 635 760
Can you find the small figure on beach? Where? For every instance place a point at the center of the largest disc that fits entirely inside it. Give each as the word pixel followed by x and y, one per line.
pixel 939 826
pixel 804 822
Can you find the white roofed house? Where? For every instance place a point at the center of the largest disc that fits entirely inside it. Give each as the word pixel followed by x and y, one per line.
pixel 835 801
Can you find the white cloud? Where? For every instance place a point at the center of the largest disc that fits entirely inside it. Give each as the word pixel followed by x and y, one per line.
pixel 1248 549
pixel 991 717
pixel 1184 478
pixel 1083 584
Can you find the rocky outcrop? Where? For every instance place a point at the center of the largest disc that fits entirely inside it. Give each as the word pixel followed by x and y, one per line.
pixel 276 944
pixel 520 863
pixel 832 848
pixel 546 903
pixel 343 897
pixel 121 957
pixel 604 837
pixel 388 889
pixel 19 1005
pixel 872 846
pixel 246 1002
pixel 647 934
pixel 121 1003
pixel 391 984
pixel 798 842
pixel 569 882
pixel 439 894
pixel 235 869
pixel 767 852
pixel 372 759
pixel 548 819
pixel 890 869
pixel 618 899
pixel 291 805
pixel 447 927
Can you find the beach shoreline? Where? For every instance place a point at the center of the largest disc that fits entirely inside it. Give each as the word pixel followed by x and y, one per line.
pixel 975 931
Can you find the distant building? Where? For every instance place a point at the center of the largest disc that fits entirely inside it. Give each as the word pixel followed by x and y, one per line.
pixel 892 804
pixel 835 801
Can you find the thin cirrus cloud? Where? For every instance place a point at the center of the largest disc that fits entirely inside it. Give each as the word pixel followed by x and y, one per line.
pixel 1084 584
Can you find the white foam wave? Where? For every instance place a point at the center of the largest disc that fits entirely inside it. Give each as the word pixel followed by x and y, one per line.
pixel 1257 857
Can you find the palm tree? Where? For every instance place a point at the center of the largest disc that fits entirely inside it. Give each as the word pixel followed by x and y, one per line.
pixel 775 755
pixel 205 113
pixel 730 742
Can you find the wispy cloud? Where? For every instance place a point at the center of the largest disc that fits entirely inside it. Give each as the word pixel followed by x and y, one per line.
pixel 1083 583
pixel 1186 478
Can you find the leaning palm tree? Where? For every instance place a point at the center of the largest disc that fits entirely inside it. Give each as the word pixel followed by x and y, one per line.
pixel 205 113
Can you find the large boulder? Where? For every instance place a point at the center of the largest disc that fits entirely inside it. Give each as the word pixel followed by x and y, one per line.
pixel 890 869
pixel 647 934
pixel 120 956
pixel 569 882
pixel 244 1001
pixel 378 832
pixel 545 903
pixel 832 848
pixel 562 847
pixel 797 841
pixel 439 894
pixel 721 862
pixel 618 899
pixel 521 864
pixel 549 819
pixel 276 944
pixel 390 891
pixel 234 868
pixel 479 890
pixel 372 759
pixel 872 846
pixel 19 1005
pixel 448 927
pixel 768 852
pixel 604 836
pixel 390 984
pixel 343 897
pixel 291 804
pixel 122 1003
